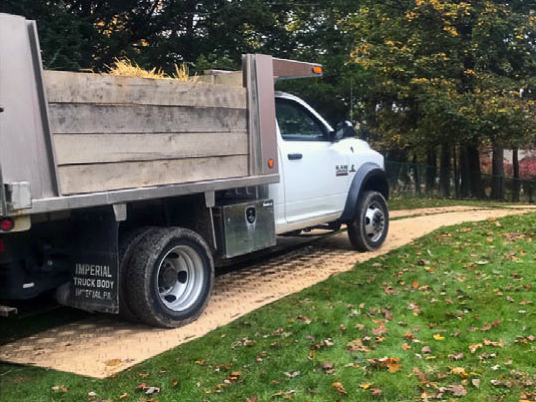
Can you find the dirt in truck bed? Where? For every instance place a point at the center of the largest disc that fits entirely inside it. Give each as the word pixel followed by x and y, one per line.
pixel 100 346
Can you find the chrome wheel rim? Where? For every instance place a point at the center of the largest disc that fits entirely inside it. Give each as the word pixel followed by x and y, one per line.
pixel 180 278
pixel 374 222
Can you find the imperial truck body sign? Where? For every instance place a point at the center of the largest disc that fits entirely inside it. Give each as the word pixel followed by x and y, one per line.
pixel 94 282
pixel 95 266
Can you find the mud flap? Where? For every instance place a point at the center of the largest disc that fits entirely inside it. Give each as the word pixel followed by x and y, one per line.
pixel 94 285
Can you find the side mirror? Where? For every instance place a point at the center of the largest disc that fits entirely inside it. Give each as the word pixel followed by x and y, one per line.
pixel 344 129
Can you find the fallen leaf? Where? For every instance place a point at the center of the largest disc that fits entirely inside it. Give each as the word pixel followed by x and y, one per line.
pixel 124 396
pixel 457 356
pixel 356 346
pixel 365 385
pixel 113 362
pixel 420 375
pixel 339 388
pixel 304 319
pixel 292 374
pixel 484 356
pixel 475 382
pixel 499 383
pixel 474 347
pixel 375 391
pixel 380 330
pixel 426 350
pixel 59 388
pixel 438 337
pixel 487 342
pixel 455 389
pixel 391 363
pixel 254 398
pixel 289 394
pixel 151 390
pixel 328 367
pixel 525 339
pixel 459 371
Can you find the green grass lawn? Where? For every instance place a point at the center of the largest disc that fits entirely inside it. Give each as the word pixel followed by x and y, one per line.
pixel 451 316
pixel 396 203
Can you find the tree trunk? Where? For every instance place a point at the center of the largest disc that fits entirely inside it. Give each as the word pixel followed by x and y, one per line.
pixel 416 175
pixel 497 181
pixel 473 157
pixel 431 171
pixel 444 172
pixel 456 173
pixel 516 185
pixel 465 173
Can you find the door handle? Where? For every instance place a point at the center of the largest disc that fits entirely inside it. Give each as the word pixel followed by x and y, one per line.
pixel 293 157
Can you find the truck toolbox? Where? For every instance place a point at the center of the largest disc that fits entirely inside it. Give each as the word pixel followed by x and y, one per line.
pixel 245 227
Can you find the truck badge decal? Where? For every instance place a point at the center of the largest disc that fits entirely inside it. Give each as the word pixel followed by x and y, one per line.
pixel 251 215
pixel 341 170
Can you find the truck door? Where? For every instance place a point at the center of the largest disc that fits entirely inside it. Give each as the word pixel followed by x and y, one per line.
pixel 315 170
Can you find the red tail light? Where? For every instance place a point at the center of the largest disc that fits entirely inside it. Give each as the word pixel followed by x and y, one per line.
pixel 6 224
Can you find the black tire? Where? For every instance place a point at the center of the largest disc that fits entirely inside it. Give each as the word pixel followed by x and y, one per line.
pixel 128 243
pixel 166 261
pixel 368 230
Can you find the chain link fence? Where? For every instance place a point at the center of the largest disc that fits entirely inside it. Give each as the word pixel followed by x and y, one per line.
pixel 419 180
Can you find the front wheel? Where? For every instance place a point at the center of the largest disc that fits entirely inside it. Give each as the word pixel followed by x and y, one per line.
pixel 170 277
pixel 368 230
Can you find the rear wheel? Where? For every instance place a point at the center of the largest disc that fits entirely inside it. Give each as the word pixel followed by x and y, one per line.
pixel 170 277
pixel 127 244
pixel 368 230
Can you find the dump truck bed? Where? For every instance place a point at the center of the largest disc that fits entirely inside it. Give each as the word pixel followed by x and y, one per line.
pixel 114 133
pixel 74 140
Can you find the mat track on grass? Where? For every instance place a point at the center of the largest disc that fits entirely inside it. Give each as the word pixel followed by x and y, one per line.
pixel 101 346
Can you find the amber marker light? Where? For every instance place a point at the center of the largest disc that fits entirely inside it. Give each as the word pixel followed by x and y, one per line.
pixel 317 69
pixel 271 163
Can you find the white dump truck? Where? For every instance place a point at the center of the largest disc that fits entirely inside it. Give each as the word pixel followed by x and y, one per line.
pixel 121 192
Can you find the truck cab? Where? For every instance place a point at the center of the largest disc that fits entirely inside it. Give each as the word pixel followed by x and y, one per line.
pixel 319 172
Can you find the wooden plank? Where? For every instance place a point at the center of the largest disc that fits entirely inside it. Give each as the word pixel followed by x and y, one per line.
pixel 99 148
pixel 76 179
pixel 69 87
pixel 96 119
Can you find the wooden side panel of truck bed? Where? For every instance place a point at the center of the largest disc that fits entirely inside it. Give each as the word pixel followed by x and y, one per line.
pixel 113 133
